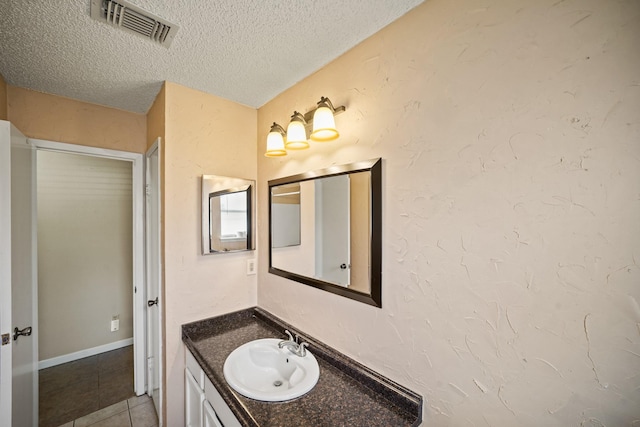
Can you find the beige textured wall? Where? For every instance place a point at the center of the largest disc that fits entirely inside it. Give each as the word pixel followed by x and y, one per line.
pixel 85 269
pixel 51 117
pixel 3 99
pixel 204 135
pixel 511 144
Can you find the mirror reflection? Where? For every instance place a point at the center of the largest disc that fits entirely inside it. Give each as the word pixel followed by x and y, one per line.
pixel 285 208
pixel 227 218
pixel 325 229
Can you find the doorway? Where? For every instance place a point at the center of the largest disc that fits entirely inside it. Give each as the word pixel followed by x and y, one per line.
pixel 84 256
pixel 88 169
pixel 18 400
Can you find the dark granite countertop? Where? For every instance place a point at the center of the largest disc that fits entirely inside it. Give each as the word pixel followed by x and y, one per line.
pixel 347 393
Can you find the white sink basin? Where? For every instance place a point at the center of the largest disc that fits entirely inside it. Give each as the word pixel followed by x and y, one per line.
pixel 262 371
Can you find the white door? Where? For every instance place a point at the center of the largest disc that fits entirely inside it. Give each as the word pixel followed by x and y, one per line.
pixel 333 229
pixel 18 295
pixel 153 276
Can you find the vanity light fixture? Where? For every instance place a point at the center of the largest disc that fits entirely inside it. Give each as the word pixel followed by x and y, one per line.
pixel 275 142
pixel 324 124
pixel 296 133
pixel 321 120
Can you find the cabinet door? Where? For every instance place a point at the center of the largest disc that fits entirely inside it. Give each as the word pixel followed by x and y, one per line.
pixel 223 412
pixel 210 418
pixel 193 398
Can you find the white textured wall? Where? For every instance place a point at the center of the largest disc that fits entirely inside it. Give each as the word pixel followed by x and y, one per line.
pixel 85 256
pixel 510 134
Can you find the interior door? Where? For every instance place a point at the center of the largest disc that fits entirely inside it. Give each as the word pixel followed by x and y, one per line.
pixel 333 229
pixel 153 276
pixel 18 294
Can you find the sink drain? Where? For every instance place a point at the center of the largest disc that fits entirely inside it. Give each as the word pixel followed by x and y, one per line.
pixel 277 383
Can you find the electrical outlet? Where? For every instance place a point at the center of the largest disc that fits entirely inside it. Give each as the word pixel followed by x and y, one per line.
pixel 115 323
pixel 251 267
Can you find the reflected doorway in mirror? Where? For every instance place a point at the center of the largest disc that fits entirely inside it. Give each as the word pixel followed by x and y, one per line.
pixel 336 219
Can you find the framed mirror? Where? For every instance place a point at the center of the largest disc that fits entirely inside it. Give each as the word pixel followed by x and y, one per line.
pixel 325 229
pixel 227 214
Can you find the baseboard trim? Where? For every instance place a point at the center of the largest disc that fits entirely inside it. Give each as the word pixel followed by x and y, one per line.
pixel 59 360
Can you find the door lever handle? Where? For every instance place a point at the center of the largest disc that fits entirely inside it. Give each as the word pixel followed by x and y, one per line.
pixel 21 332
pixel 152 302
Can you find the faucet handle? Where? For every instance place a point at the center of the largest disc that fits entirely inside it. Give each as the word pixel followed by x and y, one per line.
pixel 286 331
pixel 302 352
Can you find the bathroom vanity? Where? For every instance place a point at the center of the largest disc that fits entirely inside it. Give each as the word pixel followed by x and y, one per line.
pixel 347 393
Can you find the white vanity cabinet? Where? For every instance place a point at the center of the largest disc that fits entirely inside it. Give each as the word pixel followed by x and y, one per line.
pixel 204 406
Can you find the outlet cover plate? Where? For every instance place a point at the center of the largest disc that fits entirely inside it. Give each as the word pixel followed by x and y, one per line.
pixel 251 267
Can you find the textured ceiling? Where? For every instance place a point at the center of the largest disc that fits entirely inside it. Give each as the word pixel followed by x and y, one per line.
pixel 247 51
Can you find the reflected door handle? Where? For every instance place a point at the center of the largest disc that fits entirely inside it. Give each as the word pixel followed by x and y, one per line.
pixel 152 302
pixel 21 332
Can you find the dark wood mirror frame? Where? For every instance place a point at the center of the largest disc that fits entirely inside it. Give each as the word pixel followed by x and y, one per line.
pixel 373 166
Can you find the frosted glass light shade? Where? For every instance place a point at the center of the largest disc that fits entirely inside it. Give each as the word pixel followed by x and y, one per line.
pixel 324 125
pixel 296 136
pixel 275 144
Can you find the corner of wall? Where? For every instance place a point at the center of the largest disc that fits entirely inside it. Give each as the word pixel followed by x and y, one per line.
pixel 3 99
pixel 204 134
pixel 156 117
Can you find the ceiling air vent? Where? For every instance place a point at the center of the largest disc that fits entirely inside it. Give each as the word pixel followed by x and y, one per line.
pixel 129 17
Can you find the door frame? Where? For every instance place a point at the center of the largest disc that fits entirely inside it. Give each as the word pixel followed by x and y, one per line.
pixel 152 252
pixel 139 291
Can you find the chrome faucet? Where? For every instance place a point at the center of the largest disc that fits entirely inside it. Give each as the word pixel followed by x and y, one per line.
pixel 293 346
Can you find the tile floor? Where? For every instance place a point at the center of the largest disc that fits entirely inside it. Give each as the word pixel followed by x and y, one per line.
pixel 102 383
pixel 133 412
